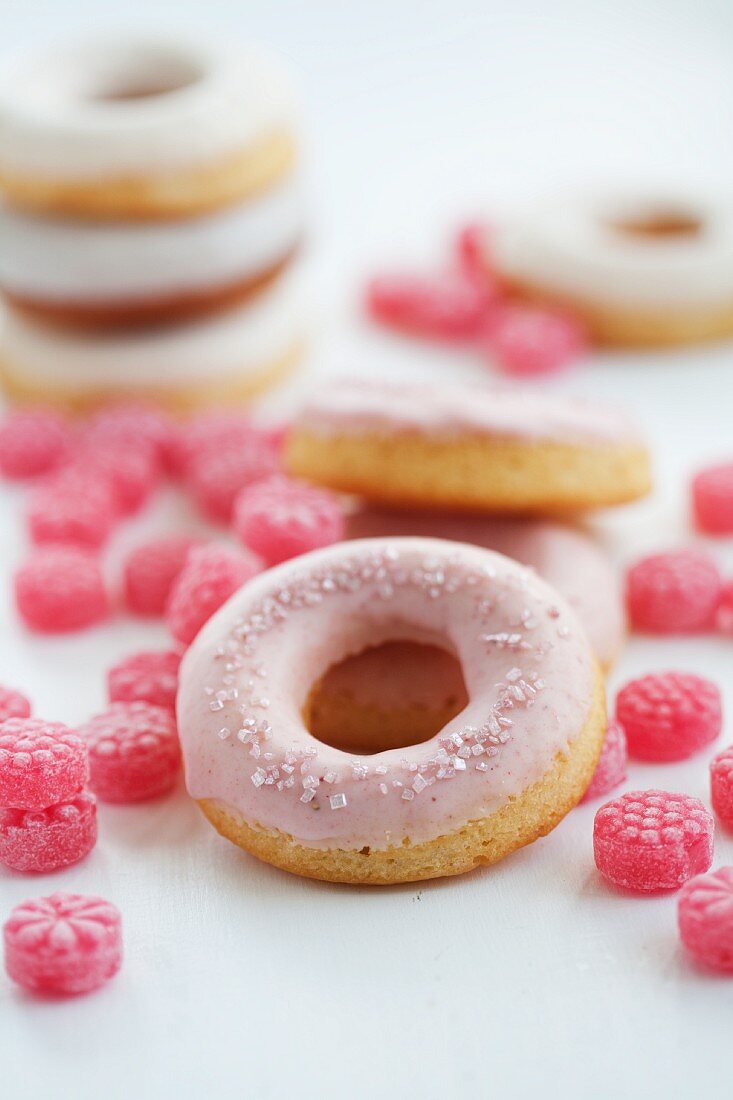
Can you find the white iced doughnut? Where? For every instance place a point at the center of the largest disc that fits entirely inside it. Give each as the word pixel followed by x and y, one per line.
pixel 233 354
pixel 640 269
pixel 57 262
pixel 142 128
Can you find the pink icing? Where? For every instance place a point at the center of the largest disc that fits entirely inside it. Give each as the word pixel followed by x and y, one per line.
pixel 525 659
pixel 492 410
pixel 566 558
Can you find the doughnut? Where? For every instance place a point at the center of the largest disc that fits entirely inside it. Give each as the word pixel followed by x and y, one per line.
pixel 231 356
pixel 143 129
pixel 639 271
pixel 478 448
pixel 93 274
pixel 564 556
pixel 498 775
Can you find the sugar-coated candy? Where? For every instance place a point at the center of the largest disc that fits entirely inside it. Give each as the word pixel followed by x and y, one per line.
pixel 721 785
pixel 134 752
pixel 75 507
pixel 210 576
pixel 47 840
pixel 279 518
pixel 33 441
pixel 611 766
pixel 13 704
pixel 526 341
pixel 209 431
pixel 652 840
pixel 676 592
pixel 450 306
pixel 216 476
pixel 712 499
pixel 724 612
pixel 63 944
pixel 60 589
pixel 705 919
pixel 150 676
pixel 133 471
pixel 150 570
pixel 669 715
pixel 41 763
pixel 133 424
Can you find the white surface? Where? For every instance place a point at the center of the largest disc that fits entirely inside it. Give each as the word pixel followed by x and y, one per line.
pixel 531 979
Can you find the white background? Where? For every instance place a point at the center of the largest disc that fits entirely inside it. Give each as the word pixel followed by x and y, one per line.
pixel 531 978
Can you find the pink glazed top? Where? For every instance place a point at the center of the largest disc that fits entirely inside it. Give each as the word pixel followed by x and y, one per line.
pixel 526 662
pixel 356 406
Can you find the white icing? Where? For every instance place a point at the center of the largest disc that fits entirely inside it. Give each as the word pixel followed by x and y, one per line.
pixel 572 246
pixel 240 341
pixel 65 260
pixel 58 117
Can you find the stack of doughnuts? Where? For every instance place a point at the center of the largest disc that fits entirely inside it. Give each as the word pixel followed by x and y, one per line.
pixel 151 216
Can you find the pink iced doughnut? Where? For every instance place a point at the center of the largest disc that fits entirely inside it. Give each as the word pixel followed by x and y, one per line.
pixel 499 774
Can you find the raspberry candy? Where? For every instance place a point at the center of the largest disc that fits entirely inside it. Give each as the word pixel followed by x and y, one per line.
pixel 526 341
pixel 59 589
pixel 133 471
pixel 724 614
pixel 46 840
pixel 669 715
pixel 77 506
pixel 32 442
pixel 150 571
pixel 712 499
pixel 652 840
pixel 721 785
pixel 611 767
pixel 705 919
pixel 673 593
pixel 211 431
pixel 216 477
pixel 279 518
pixel 40 763
pixel 65 943
pixel 210 576
pixel 13 705
pixel 133 424
pixel 451 307
pixel 150 677
pixel 134 752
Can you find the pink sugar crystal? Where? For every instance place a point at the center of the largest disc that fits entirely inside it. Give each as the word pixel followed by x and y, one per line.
pixel 279 518
pixel 450 306
pixel 46 840
pixel 32 442
pixel 134 753
pixel 63 944
pixel 13 704
pixel 74 507
pixel 60 589
pixel 669 715
pixel 150 570
pixel 210 576
pixel 712 499
pixel 721 785
pixel 611 767
pixel 652 840
pixel 527 341
pixel 133 471
pixel 149 676
pixel 676 592
pixel 705 919
pixel 41 763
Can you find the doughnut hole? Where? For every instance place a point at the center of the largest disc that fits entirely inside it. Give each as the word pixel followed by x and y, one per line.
pixel 387 696
pixel 662 224
pixel 138 73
